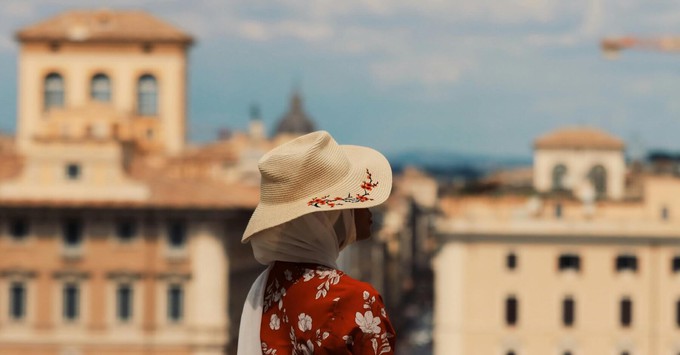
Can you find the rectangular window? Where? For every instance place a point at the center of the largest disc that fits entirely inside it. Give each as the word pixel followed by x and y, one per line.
pixel 511 261
pixel 177 234
pixel 626 312
pixel 511 311
pixel 72 230
pixel 124 302
pixel 17 300
pixel 73 171
pixel 18 228
pixel 71 301
pixel 558 210
pixel 626 262
pixel 569 262
pixel 675 264
pixel 568 308
pixel 126 230
pixel 175 303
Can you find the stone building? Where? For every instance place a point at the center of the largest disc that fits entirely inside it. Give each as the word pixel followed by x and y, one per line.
pixel 116 237
pixel 577 159
pixel 562 273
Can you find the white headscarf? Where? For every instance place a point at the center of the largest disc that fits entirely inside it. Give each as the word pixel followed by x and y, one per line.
pixel 312 238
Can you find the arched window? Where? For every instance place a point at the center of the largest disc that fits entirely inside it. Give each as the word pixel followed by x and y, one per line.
pixel 598 177
pixel 147 95
pixel 558 175
pixel 54 91
pixel 100 88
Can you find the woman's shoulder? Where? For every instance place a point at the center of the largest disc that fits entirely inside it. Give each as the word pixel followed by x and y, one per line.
pixel 324 283
pixel 356 295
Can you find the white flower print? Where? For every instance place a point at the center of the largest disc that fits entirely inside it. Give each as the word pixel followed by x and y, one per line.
pixel 368 300
pixel 304 322
pixel 348 340
pixel 304 348
pixel 274 295
pixel 278 297
pixel 332 278
pixel 368 323
pixel 320 337
pixel 308 275
pixel 274 322
pixel 266 350
pixel 372 324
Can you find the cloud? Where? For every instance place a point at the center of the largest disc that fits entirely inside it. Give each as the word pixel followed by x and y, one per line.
pixel 17 9
pixel 362 40
pixel 593 18
pixel 428 71
pixel 263 31
pixel 454 10
pixel 6 44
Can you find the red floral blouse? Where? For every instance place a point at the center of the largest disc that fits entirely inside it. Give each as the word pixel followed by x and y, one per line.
pixel 314 309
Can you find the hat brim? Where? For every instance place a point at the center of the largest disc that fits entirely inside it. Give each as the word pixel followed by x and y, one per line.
pixel 356 190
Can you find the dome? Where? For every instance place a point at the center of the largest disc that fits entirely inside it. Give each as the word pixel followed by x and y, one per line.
pixel 295 121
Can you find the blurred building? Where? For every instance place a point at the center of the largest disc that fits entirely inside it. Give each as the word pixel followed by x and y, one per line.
pixel 574 159
pixel 397 259
pixel 295 122
pixel 116 236
pixel 588 264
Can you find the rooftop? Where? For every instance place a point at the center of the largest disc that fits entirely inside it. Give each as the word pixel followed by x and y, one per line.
pixel 103 26
pixel 579 138
pixel 169 186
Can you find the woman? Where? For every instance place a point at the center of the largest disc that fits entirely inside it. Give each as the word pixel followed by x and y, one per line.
pixel 314 202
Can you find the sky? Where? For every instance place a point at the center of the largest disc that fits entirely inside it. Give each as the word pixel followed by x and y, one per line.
pixel 472 77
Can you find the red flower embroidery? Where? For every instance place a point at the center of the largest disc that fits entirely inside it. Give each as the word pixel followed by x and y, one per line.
pixel 367 186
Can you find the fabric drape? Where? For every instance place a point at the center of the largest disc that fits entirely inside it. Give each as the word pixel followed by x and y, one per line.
pixel 312 238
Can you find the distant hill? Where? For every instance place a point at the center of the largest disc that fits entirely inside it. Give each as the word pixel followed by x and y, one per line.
pixel 449 165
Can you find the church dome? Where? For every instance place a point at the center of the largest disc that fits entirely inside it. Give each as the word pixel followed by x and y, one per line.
pixel 295 121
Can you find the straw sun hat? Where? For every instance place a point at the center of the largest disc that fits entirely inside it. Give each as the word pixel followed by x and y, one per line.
pixel 313 173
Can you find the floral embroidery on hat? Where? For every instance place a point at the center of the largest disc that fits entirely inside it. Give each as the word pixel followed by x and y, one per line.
pixel 367 186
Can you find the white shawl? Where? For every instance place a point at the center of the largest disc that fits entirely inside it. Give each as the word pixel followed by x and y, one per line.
pixel 313 238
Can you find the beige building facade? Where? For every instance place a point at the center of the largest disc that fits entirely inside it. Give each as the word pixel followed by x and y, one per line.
pixel 129 61
pixel 560 274
pixel 583 160
pixel 115 236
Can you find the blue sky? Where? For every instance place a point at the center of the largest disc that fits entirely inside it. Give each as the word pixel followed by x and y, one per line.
pixel 483 76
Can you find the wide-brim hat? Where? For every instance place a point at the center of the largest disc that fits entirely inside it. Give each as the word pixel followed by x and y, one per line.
pixel 313 173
